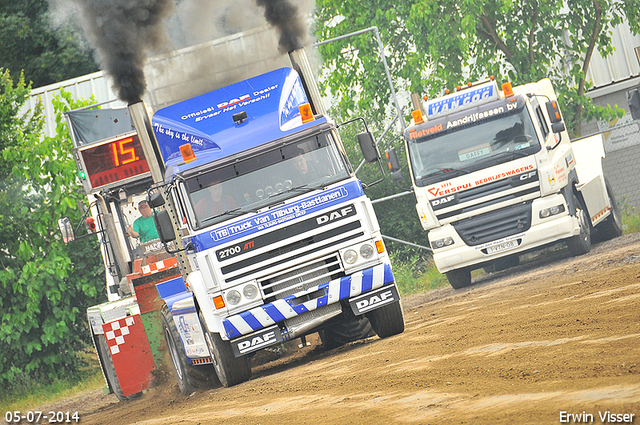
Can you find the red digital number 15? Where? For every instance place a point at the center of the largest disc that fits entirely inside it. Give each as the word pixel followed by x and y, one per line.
pixel 126 155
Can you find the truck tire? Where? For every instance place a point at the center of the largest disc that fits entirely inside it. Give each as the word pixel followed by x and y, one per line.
pixel 581 243
pixel 231 370
pixel 185 373
pixel 459 278
pixel 110 370
pixel 346 331
pixel 611 227
pixel 388 320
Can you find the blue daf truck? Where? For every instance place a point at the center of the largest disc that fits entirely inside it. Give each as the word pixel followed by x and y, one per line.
pixel 275 236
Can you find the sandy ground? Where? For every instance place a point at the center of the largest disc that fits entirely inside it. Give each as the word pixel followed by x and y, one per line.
pixel 556 334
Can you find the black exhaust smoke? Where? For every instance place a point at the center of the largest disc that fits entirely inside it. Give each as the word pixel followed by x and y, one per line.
pixel 124 32
pixel 286 18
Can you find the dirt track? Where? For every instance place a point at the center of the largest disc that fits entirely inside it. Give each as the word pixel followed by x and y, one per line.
pixel 556 334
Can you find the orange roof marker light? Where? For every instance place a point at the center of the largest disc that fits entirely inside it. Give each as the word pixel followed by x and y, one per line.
pixel 507 89
pixel 305 113
pixel 417 116
pixel 187 153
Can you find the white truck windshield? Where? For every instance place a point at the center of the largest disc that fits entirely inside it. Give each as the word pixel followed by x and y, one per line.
pixel 264 179
pixel 471 147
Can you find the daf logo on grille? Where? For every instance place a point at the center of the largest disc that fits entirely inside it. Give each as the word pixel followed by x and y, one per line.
pixel 335 215
pixel 473 239
pixel 520 225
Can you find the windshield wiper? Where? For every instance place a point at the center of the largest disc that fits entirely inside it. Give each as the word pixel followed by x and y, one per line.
pixel 447 170
pixel 235 212
pixel 303 188
pixel 514 154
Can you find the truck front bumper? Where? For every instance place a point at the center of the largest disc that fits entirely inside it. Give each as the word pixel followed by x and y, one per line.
pixel 460 255
pixel 309 300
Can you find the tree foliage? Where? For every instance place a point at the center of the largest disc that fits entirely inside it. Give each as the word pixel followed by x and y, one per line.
pixel 45 285
pixel 46 52
pixel 433 44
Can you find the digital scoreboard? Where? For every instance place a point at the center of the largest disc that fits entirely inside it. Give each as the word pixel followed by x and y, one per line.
pixel 113 162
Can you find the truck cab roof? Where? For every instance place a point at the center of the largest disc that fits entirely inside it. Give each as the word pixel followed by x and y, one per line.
pixel 231 119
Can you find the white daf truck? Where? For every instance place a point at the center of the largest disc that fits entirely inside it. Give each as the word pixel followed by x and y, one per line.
pixel 495 175
pixel 278 237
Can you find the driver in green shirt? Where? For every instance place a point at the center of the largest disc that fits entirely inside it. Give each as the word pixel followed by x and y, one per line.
pixel 143 227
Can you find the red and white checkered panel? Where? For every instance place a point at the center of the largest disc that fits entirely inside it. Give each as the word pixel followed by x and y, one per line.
pixel 131 354
pixel 159 266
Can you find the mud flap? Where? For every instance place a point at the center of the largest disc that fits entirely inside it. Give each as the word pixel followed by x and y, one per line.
pixel 256 341
pixel 375 299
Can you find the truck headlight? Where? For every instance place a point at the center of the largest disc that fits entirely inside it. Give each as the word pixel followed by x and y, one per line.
pixel 441 243
pixel 366 251
pixel 350 256
pixel 233 297
pixel 250 292
pixel 548 212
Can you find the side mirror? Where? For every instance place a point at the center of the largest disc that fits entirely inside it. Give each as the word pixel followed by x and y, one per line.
pixel 368 147
pixel 164 226
pixel 633 100
pixel 156 200
pixel 66 229
pixel 393 163
pixel 554 111
pixel 557 127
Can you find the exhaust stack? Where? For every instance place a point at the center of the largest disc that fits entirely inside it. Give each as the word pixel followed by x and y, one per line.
pixel 300 63
pixel 148 141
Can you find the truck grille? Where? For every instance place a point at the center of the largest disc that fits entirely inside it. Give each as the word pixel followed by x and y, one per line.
pixel 292 259
pixel 505 190
pixel 281 285
pixel 495 225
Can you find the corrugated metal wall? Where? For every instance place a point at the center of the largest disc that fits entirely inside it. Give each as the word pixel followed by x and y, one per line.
pixel 612 77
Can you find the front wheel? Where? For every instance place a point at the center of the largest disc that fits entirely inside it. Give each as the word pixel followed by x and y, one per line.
pixel 187 383
pixel 459 278
pixel 231 370
pixel 581 243
pixel 387 320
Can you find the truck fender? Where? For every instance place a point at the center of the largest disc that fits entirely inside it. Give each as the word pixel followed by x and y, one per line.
pixel 183 308
pixel 572 182
pixel 204 302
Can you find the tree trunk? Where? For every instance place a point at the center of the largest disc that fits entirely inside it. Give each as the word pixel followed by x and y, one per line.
pixel 585 66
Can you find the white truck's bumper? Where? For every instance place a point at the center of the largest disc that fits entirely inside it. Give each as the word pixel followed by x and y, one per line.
pixel 541 232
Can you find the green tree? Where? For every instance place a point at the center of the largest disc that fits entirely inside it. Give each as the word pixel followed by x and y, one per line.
pixel 46 52
pixel 433 44
pixel 45 285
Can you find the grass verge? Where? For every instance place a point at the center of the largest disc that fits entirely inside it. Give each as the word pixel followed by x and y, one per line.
pixel 30 395
pixel 416 274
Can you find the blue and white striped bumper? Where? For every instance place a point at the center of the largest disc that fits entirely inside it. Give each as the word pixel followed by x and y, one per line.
pixel 334 291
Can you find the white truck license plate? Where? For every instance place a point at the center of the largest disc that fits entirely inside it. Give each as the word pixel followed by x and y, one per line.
pixel 502 247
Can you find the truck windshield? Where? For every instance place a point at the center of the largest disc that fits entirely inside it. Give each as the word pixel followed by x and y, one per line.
pixel 265 178
pixel 468 148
